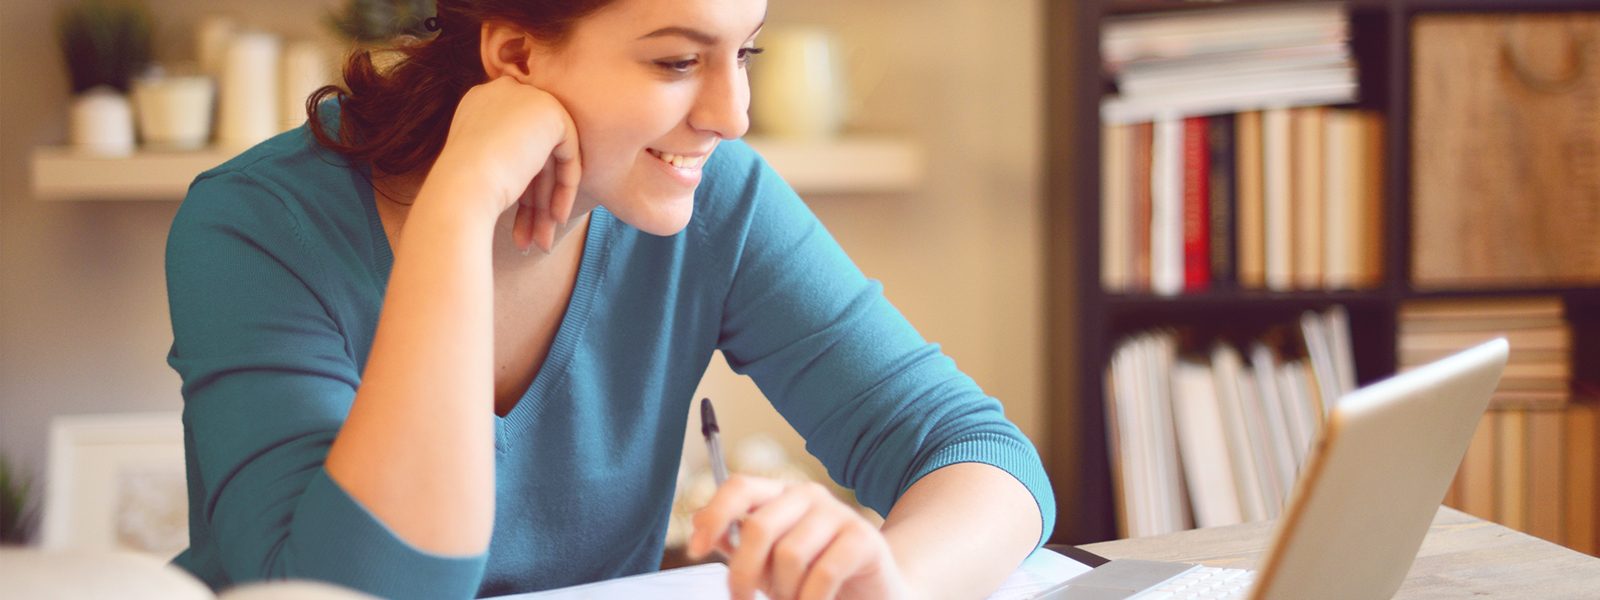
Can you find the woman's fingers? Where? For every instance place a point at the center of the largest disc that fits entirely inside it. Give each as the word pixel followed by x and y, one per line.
pixel 739 496
pixel 763 537
pixel 566 166
pixel 796 541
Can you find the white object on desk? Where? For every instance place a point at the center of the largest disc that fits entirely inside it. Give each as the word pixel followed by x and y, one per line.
pixel 1041 570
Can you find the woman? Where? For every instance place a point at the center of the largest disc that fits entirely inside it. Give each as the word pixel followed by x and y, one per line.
pixel 387 387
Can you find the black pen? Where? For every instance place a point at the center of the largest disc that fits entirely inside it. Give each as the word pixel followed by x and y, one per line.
pixel 719 467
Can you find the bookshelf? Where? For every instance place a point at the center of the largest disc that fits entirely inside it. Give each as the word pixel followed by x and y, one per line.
pixel 1084 322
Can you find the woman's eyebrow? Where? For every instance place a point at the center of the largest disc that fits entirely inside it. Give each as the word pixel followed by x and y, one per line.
pixel 694 35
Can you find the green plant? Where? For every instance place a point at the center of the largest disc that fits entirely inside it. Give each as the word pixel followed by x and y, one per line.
pixel 17 516
pixel 369 21
pixel 106 42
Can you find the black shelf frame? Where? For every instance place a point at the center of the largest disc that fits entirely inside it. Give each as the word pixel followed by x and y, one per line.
pixel 1083 322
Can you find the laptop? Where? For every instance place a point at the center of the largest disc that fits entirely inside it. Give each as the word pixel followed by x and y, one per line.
pixel 1367 494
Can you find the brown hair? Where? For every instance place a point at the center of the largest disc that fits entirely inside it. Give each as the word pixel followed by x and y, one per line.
pixel 397 117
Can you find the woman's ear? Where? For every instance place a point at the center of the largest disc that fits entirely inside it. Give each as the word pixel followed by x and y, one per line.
pixel 506 50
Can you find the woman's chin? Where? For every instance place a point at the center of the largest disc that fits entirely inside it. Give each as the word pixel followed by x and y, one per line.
pixel 664 219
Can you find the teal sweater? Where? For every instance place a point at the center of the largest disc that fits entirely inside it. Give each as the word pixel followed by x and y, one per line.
pixel 276 269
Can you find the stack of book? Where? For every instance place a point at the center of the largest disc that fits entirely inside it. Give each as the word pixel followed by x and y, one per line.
pixel 1217 439
pixel 1226 60
pixel 1539 373
pixel 1280 199
pixel 1222 167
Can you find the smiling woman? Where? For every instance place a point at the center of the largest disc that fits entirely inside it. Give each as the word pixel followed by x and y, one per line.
pixel 384 388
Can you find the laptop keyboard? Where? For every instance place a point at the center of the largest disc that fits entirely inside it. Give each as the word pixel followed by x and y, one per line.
pixel 1203 583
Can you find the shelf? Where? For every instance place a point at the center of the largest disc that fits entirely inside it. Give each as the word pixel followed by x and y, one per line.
pixel 849 165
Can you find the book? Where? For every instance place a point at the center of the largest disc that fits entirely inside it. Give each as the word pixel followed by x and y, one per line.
pixel 1143 142
pixel 1115 207
pixel 1544 500
pixel 1250 224
pixel 1581 472
pixel 1277 149
pixel 1166 202
pixel 1208 468
pixel 1196 205
pixel 1307 169
pixel 1511 469
pixel 1255 498
pixel 1222 150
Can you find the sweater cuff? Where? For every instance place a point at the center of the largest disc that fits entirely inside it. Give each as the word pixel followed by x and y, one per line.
pixel 1019 458
pixel 336 539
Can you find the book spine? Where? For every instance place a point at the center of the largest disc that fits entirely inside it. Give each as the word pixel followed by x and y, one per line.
pixel 1166 221
pixel 1307 168
pixel 1220 137
pixel 1140 224
pixel 1115 207
pixel 1277 151
pixel 1250 233
pixel 1196 205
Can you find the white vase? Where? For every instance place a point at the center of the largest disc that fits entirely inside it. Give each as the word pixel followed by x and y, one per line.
pixel 247 94
pixel 174 111
pixel 102 123
pixel 798 85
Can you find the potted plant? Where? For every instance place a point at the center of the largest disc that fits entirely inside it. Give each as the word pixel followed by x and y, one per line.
pixel 105 43
pixel 17 516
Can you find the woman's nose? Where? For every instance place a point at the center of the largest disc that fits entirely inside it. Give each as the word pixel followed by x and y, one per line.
pixel 723 106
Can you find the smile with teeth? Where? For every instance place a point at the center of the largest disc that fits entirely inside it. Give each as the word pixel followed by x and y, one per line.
pixel 679 161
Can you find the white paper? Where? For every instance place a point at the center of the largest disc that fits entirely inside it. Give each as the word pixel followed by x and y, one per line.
pixel 1041 570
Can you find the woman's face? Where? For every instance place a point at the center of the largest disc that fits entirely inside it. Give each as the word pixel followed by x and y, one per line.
pixel 653 86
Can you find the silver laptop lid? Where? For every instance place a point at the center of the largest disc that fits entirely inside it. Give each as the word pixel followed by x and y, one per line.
pixel 1374 481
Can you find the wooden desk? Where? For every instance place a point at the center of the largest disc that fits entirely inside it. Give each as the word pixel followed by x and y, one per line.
pixel 1462 557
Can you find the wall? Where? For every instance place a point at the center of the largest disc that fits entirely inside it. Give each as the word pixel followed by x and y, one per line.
pixel 83 321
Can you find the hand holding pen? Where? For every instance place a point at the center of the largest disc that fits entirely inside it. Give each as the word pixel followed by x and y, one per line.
pixel 798 540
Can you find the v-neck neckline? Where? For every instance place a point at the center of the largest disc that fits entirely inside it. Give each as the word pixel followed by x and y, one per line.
pixel 591 272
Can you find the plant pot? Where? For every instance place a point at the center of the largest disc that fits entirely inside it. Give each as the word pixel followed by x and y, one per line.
pixel 174 111
pixel 102 123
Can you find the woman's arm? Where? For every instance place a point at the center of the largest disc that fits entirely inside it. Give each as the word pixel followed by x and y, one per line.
pixel 961 530
pixel 417 449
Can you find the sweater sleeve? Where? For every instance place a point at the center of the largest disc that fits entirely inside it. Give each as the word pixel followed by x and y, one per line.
pixel 877 404
pixel 269 374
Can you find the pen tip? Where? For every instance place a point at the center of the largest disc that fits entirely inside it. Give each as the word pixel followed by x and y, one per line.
pixel 708 418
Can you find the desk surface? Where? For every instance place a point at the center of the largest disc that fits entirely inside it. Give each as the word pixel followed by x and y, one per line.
pixel 1462 557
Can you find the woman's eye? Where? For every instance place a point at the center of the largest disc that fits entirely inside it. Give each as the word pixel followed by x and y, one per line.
pixel 745 54
pixel 679 65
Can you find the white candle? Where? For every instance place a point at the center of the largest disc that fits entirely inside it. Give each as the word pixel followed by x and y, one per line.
pixel 248 99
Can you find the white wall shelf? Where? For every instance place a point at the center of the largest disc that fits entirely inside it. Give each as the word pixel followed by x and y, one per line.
pixel 845 166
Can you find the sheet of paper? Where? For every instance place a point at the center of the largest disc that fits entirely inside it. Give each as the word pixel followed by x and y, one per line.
pixel 1041 570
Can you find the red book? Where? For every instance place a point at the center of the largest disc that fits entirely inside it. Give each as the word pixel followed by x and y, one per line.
pixel 1196 205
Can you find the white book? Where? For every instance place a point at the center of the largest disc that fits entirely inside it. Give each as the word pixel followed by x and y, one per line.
pixel 1128 38
pixel 1277 176
pixel 1341 200
pixel 1342 347
pixel 1273 488
pixel 1208 469
pixel 1253 501
pixel 1301 419
pixel 1166 207
pixel 1170 500
pixel 1314 331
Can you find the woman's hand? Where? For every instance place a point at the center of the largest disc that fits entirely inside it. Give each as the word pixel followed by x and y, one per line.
pixel 796 541
pixel 512 143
